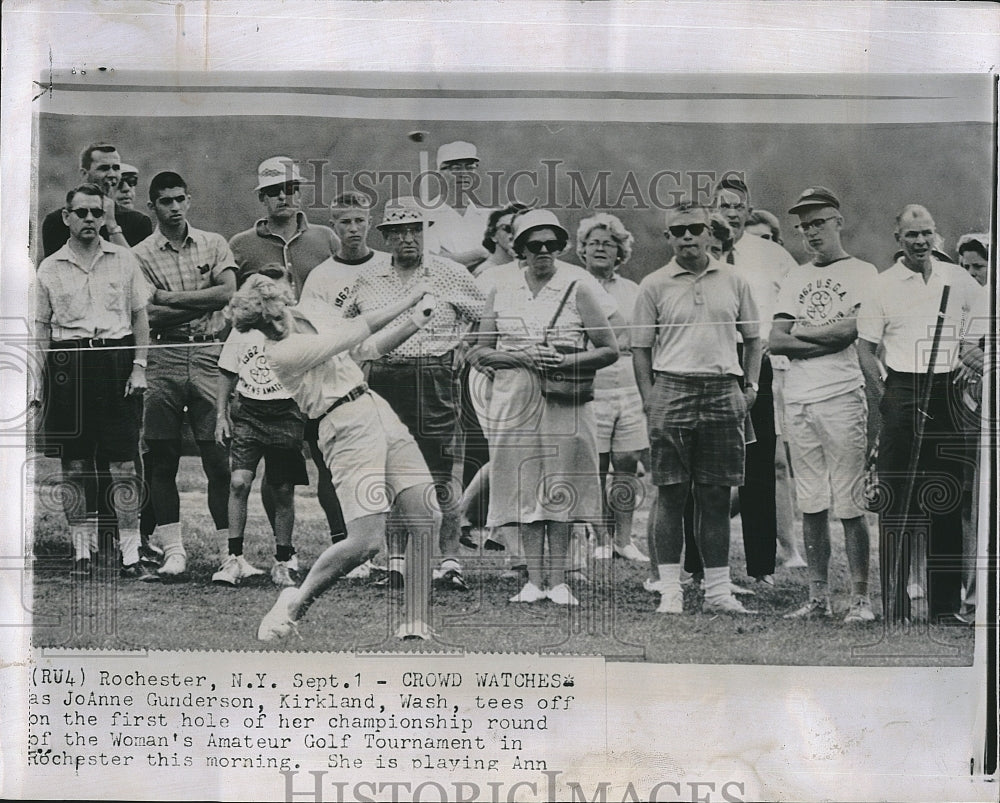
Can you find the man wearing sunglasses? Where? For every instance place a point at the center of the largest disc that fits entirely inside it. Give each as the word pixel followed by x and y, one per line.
pixel 92 328
pixel 193 276
pixel 125 191
pixel 100 164
pixel 688 316
pixel 815 326
pixel 763 264
pixel 418 378
pixel 286 238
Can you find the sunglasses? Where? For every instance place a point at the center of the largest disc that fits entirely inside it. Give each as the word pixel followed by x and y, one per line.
pixel 83 213
pixel 818 223
pixel 272 273
pixel 131 179
pixel 289 188
pixel 549 246
pixel 679 231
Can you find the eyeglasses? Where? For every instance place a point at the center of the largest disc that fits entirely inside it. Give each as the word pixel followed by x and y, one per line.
pixel 401 232
pixel 818 223
pixel 679 231
pixel 604 245
pixel 549 246
pixel 87 210
pixel 288 188
pixel 131 179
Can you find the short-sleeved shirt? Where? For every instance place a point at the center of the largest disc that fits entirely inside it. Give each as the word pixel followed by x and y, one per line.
pixel 522 318
pixel 460 302
pixel 332 281
pixel 136 227
pixel 200 262
pixel 243 354
pixel 81 301
pixel 817 296
pixel 763 264
pixel 901 311
pixel 510 271
pixel 315 368
pixel 259 246
pixel 692 321
pixel 457 231
pixel 619 375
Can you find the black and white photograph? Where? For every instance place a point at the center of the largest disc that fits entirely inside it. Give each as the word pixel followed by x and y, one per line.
pixel 635 425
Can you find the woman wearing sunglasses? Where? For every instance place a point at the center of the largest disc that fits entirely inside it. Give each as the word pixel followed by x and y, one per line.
pixel 544 470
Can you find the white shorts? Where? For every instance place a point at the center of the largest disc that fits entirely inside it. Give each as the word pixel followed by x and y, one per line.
pixel 828 443
pixel 621 424
pixel 371 455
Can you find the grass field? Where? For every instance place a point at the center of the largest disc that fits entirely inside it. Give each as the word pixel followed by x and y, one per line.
pixel 616 617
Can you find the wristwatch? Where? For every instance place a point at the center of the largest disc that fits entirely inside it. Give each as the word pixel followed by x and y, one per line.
pixel 113 231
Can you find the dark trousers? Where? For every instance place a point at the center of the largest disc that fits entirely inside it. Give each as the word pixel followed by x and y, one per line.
pixel 758 508
pixel 935 508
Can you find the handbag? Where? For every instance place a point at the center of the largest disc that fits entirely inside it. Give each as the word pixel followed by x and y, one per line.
pixel 569 384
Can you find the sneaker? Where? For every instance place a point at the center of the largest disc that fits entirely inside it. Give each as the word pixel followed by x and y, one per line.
pixel 630 552
pixel 726 604
pixel 561 595
pixel 83 569
pixel 360 572
pixel 966 615
pixel 671 601
pixel 247 569
pixel 283 575
pixel 491 545
pixel 173 566
pixel 393 580
pixel 740 591
pixel 414 630
pixel 229 573
pixel 860 611
pixel 466 539
pixel 813 609
pixel 453 579
pixel 530 593
pixel 766 579
pixel 150 555
pixel 654 586
pixel 603 553
pixel 277 623
pixel 138 571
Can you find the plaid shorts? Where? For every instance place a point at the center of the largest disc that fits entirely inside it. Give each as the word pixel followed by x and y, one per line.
pixel 696 429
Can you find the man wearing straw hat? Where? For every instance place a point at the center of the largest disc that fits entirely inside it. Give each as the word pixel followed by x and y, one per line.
pixel 418 378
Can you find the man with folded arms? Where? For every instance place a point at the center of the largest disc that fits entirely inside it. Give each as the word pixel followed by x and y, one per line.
pixel 687 318
pixel 91 324
pixel 815 326
pixel 193 276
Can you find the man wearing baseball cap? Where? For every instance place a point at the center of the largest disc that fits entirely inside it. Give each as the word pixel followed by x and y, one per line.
pixel 418 378
pixel 458 231
pixel 815 326
pixel 125 191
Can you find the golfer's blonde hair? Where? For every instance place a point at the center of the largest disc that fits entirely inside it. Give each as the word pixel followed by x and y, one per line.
pixel 259 301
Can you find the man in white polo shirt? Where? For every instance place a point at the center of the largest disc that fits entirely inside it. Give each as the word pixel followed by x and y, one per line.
pixel 900 313
pixel 458 228
pixel 815 326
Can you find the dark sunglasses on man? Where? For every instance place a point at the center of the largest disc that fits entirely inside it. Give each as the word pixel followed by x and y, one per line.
pixel 82 213
pixel 288 188
pixel 695 228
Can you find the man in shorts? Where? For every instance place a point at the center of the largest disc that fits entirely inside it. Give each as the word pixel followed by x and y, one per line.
pixel 815 326
pixel 687 318
pixel 193 276
pixel 91 325
pixel 372 457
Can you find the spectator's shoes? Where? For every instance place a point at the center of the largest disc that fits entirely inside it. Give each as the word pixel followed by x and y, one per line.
pixel 150 555
pixel 248 570
pixel 283 575
pixel 466 539
pixel 451 578
pixel 671 601
pixel 530 593
pixel 561 595
pixel 630 552
pixel 415 630
pixel 393 580
pixel 813 609
pixel 360 572
pixel 766 579
pixel 860 611
pixel 277 623
pixel 139 571
pixel 741 591
pixel 966 616
pixel 726 604
pixel 493 546
pixel 174 566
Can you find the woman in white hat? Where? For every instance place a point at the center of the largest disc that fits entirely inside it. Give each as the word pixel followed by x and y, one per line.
pixel 544 469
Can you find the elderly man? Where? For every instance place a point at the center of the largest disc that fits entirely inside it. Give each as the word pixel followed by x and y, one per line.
pixel 285 237
pixel 763 264
pixel 100 164
pixel 372 457
pixel 459 226
pixel 91 320
pixel 901 313
pixel 418 378
pixel 815 326
pixel 687 317
pixel 193 276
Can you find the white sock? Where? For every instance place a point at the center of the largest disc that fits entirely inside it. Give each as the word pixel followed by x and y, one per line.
pixel 171 538
pixel 670 576
pixel 78 534
pixel 717 582
pixel 128 541
pixel 397 563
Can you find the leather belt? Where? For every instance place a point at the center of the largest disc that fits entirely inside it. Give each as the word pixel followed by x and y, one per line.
pixel 350 396
pixel 163 337
pixel 424 359
pixel 91 342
